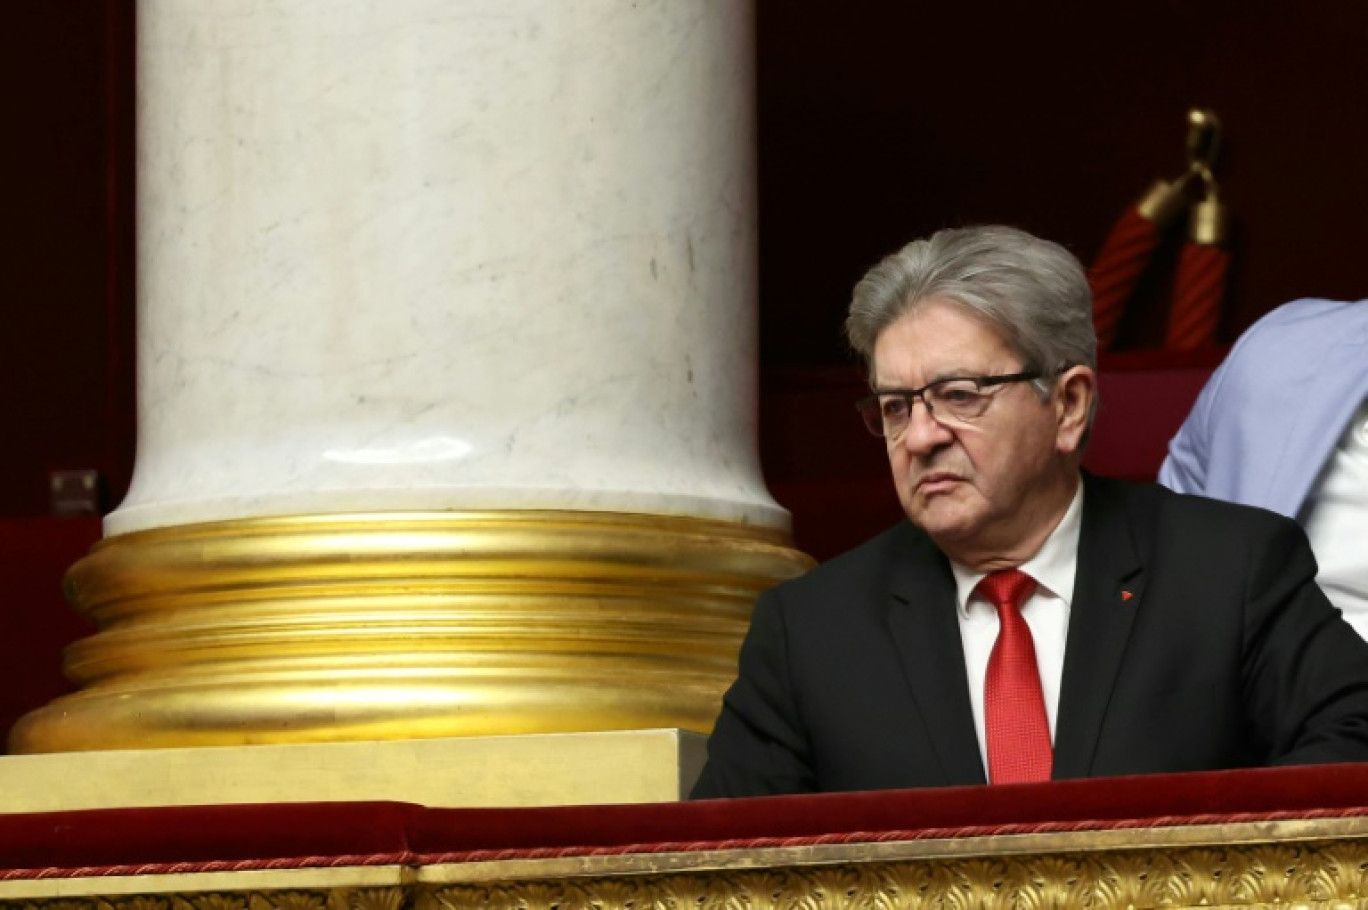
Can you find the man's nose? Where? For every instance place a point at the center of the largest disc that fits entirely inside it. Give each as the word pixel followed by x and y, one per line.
pixel 923 433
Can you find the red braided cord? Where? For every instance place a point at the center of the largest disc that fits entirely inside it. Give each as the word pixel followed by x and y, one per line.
pixel 1197 293
pixel 1117 268
pixel 524 853
pixel 242 865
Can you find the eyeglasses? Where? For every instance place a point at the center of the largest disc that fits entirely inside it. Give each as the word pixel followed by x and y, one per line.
pixel 949 402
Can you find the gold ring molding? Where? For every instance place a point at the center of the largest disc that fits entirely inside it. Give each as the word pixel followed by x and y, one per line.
pixel 386 626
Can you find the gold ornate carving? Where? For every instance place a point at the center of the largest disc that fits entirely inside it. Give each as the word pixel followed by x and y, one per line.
pixel 214 901
pixel 407 625
pixel 341 898
pixel 1266 865
pixel 140 903
pixel 1331 875
pixel 368 899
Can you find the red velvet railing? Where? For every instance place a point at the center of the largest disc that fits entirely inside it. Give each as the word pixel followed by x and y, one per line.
pixel 187 839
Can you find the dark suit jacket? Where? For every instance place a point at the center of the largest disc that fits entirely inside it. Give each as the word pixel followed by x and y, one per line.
pixel 1226 655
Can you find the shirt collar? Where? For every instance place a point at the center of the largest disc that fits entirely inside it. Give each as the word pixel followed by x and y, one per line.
pixel 1053 566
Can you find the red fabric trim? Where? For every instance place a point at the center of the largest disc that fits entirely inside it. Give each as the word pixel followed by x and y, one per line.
pixel 470 856
pixel 1053 805
pixel 877 837
pixel 302 862
pixel 322 835
pixel 195 835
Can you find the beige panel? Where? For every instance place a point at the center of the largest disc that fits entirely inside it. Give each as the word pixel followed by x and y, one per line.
pixel 533 770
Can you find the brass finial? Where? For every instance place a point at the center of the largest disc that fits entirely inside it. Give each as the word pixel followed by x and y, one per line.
pixel 1167 199
pixel 1203 139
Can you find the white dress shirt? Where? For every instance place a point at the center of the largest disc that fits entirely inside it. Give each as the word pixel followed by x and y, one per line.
pixel 1336 519
pixel 1046 612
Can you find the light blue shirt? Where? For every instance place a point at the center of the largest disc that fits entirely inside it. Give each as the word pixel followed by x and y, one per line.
pixel 1270 416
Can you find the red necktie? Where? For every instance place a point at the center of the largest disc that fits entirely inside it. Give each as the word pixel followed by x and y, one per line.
pixel 1016 727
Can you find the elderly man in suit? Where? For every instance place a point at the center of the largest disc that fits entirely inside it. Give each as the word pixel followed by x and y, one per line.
pixel 1027 621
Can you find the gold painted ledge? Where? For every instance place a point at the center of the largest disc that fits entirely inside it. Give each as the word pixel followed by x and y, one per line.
pixel 631 766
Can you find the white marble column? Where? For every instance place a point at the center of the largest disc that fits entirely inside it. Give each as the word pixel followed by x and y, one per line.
pixel 445 254
pixel 447 380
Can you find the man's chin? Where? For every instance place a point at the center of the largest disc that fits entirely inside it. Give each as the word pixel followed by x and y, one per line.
pixel 945 524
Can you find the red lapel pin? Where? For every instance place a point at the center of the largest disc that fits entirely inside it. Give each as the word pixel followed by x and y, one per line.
pixel 1126 595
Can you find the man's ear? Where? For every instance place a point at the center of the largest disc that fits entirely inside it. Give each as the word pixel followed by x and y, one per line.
pixel 1075 391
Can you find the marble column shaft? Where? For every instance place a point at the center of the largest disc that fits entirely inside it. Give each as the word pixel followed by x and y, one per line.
pixel 437 254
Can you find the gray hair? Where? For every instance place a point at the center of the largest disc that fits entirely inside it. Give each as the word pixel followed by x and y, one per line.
pixel 1033 291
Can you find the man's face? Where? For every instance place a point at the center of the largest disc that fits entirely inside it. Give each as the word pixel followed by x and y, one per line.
pixel 994 487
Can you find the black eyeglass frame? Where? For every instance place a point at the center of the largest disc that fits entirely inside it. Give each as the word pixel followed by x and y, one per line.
pixel 911 395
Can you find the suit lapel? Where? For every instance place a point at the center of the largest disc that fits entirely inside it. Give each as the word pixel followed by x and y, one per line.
pixel 926 632
pixel 1108 590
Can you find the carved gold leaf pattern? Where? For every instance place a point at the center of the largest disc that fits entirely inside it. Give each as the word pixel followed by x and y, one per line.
pixel 218 901
pixel 1330 875
pixel 1325 875
pixel 366 899
pixel 290 900
pixel 141 902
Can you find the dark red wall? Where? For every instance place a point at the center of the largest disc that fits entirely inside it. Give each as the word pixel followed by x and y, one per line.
pixel 66 254
pixel 879 120
pixel 883 120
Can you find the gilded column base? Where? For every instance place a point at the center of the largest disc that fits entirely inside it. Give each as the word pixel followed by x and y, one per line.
pixel 323 628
